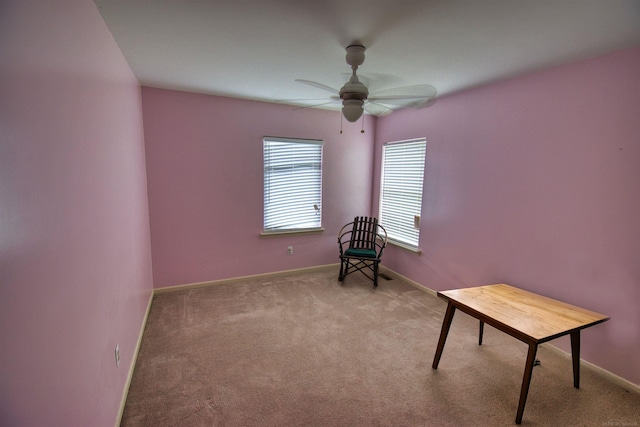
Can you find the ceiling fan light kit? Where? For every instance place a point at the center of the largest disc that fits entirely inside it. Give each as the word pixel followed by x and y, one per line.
pixel 352 109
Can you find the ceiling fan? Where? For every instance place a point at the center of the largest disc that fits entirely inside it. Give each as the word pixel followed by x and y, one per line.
pixel 356 99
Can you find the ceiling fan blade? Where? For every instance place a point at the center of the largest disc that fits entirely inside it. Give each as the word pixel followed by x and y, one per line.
pixel 416 96
pixel 423 104
pixel 376 109
pixel 318 85
pixel 284 101
pixel 314 105
pixel 401 102
pixel 399 98
pixel 398 103
pixel 419 91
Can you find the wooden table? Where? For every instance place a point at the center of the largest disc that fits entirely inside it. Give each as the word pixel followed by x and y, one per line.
pixel 529 317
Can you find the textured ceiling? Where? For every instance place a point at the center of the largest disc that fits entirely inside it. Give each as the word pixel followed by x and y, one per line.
pixel 256 49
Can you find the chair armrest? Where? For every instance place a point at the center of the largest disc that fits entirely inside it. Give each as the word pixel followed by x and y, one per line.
pixel 342 234
pixel 383 240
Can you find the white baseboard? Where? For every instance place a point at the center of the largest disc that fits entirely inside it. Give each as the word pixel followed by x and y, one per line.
pixel 241 278
pixel 625 384
pixel 132 367
pixel 409 281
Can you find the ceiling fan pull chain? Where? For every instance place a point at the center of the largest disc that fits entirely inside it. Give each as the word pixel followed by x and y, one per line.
pixel 362 130
pixel 340 123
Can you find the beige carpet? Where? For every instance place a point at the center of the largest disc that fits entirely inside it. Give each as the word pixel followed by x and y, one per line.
pixel 305 350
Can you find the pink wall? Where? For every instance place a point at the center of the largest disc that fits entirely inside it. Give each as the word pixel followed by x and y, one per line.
pixel 205 173
pixel 75 265
pixel 530 181
pixel 534 182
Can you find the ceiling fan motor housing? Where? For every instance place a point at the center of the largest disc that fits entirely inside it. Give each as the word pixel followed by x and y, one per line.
pixel 353 94
pixel 354 89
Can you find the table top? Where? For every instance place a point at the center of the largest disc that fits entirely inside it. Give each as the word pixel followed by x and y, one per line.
pixel 526 314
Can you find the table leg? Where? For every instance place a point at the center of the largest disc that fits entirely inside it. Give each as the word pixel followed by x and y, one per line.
pixel 481 333
pixel 526 380
pixel 575 356
pixel 446 324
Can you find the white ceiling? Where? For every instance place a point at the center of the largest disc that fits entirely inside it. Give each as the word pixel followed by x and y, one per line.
pixel 255 49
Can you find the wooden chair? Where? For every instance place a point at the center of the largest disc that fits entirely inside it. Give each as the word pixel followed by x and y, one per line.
pixel 361 244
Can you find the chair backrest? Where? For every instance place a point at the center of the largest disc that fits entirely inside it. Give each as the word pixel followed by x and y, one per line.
pixel 364 233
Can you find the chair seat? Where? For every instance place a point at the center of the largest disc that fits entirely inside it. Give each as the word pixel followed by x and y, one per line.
pixel 355 252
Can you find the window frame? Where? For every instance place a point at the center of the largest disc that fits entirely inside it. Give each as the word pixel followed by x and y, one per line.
pixel 309 165
pixel 402 232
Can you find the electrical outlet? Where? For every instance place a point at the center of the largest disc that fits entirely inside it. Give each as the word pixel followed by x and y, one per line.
pixel 290 250
pixel 117 355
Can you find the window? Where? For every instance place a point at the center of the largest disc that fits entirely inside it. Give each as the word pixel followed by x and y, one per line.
pixel 401 191
pixel 292 185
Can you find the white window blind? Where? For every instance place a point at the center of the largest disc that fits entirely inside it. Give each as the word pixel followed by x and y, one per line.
pixel 292 184
pixel 401 190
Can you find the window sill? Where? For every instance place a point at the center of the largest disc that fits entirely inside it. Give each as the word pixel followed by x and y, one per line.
pixel 269 234
pixel 405 246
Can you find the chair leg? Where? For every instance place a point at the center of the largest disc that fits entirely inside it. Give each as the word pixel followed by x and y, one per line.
pixel 375 274
pixel 371 265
